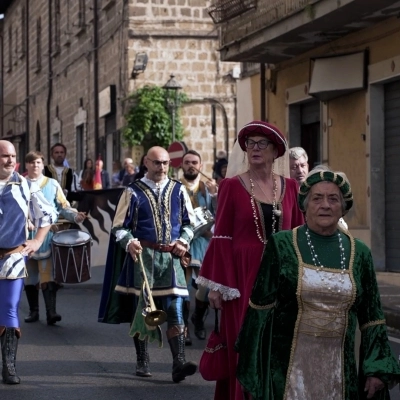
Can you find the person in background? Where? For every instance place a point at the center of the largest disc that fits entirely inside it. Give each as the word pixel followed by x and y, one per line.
pixel 40 266
pixel 252 205
pixel 87 180
pixel 19 198
pixel 314 284
pixel 142 168
pixel 298 164
pixel 122 173
pixel 129 177
pixel 115 182
pixel 220 167
pixel 105 177
pixel 62 174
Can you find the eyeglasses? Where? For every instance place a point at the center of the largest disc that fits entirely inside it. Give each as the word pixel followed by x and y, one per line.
pixel 262 144
pixel 157 163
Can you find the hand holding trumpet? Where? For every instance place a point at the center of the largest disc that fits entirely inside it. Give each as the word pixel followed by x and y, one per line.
pixel 135 249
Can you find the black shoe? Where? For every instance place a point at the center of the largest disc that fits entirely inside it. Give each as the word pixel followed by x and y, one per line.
pixel 32 295
pixel 50 297
pixel 9 346
pixel 33 316
pixel 198 318
pixel 142 358
pixel 180 367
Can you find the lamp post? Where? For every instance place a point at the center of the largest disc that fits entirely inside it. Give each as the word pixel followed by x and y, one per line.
pixel 172 100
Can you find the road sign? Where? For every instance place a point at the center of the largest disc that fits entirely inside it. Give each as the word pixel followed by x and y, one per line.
pixel 176 152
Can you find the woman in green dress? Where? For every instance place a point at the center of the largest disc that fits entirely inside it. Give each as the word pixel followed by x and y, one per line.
pixel 315 282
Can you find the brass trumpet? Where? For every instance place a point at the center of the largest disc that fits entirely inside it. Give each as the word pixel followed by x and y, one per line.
pixel 152 316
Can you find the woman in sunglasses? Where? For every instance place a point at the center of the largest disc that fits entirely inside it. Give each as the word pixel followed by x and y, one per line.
pixel 252 205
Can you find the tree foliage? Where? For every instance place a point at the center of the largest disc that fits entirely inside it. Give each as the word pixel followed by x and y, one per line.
pixel 148 121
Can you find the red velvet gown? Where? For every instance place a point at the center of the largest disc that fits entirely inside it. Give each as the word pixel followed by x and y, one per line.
pixel 233 258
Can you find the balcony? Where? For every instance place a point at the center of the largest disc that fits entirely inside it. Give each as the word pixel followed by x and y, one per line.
pixel 278 30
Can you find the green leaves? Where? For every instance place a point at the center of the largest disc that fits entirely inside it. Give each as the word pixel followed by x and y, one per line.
pixel 148 121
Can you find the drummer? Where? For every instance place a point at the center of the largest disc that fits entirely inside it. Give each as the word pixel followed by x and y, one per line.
pixel 202 194
pixel 39 266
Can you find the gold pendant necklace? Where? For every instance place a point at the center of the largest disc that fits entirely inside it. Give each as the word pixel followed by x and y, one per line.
pixel 275 211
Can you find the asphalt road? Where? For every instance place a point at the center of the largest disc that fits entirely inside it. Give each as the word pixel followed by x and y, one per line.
pixel 80 358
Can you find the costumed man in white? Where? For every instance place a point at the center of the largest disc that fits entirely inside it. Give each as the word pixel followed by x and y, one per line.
pixel 19 200
pixel 152 226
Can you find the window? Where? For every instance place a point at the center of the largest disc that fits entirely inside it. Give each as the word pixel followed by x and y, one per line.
pixel 38 44
pixel 57 27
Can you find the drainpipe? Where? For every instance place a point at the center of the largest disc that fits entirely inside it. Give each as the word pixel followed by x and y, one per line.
pixel 50 82
pixel 263 103
pixel 96 78
pixel 27 81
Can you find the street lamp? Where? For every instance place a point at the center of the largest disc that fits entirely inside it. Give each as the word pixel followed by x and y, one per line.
pixel 172 100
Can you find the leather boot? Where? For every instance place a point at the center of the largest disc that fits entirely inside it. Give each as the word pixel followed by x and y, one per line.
pixel 198 318
pixel 9 344
pixel 49 290
pixel 180 367
pixel 32 294
pixel 185 312
pixel 142 358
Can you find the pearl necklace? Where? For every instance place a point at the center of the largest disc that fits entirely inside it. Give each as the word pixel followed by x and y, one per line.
pixel 318 264
pixel 275 211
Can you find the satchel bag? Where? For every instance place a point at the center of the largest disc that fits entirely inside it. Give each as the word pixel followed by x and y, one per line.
pixel 214 362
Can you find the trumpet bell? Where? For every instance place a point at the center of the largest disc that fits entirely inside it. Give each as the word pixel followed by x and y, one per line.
pixel 154 318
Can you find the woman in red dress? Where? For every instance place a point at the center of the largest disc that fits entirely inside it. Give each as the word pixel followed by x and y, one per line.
pixel 251 206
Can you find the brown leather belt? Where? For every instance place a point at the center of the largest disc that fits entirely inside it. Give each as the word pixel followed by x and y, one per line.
pixel 7 252
pixel 164 248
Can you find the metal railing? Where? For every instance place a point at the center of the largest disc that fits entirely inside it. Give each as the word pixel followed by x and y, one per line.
pixel 224 10
pixel 267 13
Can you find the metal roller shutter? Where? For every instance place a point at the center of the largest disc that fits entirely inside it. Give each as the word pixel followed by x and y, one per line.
pixel 392 175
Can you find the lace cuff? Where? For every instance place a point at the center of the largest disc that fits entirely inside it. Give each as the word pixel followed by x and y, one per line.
pixel 227 292
pixel 128 243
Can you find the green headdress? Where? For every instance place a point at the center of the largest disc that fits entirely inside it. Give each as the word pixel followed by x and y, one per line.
pixel 326 176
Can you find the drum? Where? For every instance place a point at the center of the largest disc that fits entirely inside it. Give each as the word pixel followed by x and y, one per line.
pixel 204 221
pixel 71 250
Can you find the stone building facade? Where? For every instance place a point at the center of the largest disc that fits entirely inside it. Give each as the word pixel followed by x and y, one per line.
pixel 67 72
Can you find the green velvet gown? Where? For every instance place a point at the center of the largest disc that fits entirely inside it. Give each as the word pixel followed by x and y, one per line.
pixel 297 339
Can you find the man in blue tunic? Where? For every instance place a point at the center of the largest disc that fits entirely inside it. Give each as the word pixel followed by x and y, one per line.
pixel 152 224
pixel 18 200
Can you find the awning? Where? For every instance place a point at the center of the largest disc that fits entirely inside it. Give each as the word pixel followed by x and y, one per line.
pixel 338 75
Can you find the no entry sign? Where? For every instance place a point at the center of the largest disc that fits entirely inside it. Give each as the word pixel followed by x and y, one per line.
pixel 176 152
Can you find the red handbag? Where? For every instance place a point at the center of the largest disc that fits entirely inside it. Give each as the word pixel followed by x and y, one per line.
pixel 214 362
